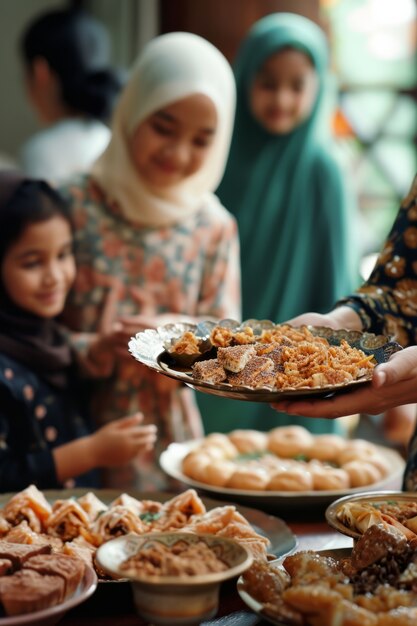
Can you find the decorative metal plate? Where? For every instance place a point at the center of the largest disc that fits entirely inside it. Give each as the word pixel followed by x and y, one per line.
pixel 150 348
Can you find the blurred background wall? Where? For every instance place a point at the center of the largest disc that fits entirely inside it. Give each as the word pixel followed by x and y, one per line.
pixel 374 68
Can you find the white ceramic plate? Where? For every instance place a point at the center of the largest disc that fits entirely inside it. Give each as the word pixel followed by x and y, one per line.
pixel 276 501
pixel 149 348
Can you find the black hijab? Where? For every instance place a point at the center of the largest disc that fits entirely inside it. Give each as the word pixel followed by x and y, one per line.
pixel 38 343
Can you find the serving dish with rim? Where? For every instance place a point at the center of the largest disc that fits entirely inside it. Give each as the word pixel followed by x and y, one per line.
pixel 275 529
pixel 276 502
pixel 177 599
pixel 369 497
pixel 257 607
pixel 52 615
pixel 149 347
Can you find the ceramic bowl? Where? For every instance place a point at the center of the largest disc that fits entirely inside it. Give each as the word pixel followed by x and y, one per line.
pixel 174 600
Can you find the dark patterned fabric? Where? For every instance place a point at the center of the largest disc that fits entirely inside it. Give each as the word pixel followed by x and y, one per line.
pixel 387 302
pixel 34 419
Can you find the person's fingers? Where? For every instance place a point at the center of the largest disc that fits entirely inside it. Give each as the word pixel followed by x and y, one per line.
pixel 401 366
pixel 129 421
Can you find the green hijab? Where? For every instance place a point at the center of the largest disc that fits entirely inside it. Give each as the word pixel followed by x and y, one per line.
pixel 287 194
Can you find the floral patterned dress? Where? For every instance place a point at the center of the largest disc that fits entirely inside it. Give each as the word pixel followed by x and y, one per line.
pixel 191 268
pixel 387 302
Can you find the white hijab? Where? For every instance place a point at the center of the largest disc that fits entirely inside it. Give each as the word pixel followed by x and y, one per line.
pixel 171 67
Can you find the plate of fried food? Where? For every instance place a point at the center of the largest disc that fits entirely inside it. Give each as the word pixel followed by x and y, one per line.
pixel 284 468
pixel 393 510
pixel 77 522
pixel 374 584
pixel 259 361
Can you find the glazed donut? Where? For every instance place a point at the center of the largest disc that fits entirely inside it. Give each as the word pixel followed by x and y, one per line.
pixel 220 441
pixel 194 465
pixel 379 462
pixel 218 472
pixel 296 479
pixel 248 441
pixel 361 473
pixel 329 478
pixel 249 478
pixel 326 447
pixel 357 449
pixel 289 441
pixel 212 450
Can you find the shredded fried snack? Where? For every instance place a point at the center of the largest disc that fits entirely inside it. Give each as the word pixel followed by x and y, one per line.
pixel 188 343
pixel 300 359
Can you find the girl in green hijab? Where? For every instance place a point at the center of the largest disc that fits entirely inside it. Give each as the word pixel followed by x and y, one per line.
pixel 286 190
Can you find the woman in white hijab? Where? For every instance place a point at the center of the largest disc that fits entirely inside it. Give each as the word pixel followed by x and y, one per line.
pixel 153 243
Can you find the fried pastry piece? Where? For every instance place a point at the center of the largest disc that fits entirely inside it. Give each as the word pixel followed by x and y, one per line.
pixel 92 505
pixel 315 598
pixel 376 543
pixel 187 502
pixel 235 358
pixel 67 519
pixel 281 612
pixel 81 549
pixel 27 591
pixel 258 372
pixel 133 504
pixel 69 568
pixel 343 613
pixel 24 534
pixel 117 521
pixel 177 511
pixel 265 581
pixel 6 567
pixel 5 526
pixel 30 505
pixel 385 598
pixel 398 617
pixel 310 566
pixel 210 371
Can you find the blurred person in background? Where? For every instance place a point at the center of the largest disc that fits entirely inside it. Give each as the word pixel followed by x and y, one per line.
pixel 72 88
pixel 153 243
pixel 284 186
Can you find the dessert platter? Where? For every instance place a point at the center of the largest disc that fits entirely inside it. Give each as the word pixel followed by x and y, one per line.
pixel 77 522
pixel 259 361
pixel 373 584
pixel 353 515
pixel 284 469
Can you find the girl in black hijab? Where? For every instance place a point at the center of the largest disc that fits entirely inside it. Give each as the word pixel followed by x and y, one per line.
pixel 44 438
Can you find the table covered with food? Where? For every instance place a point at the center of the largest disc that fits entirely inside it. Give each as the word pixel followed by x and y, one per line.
pixel 281 527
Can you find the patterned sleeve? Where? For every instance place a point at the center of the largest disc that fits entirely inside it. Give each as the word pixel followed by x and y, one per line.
pixel 18 466
pixel 220 292
pixel 387 302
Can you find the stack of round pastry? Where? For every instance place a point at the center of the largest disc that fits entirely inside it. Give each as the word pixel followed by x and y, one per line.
pixel 287 458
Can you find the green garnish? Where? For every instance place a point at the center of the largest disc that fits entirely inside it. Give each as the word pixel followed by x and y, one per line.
pixel 249 456
pixel 300 457
pixel 149 516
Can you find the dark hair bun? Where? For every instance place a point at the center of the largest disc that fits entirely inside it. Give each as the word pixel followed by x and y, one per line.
pixel 77 47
